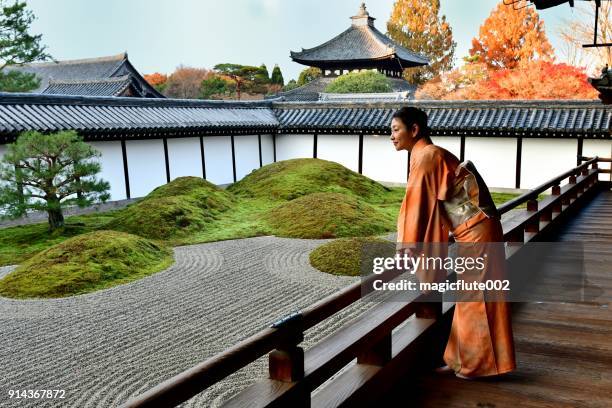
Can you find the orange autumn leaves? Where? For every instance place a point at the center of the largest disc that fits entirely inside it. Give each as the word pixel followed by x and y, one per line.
pixel 510 59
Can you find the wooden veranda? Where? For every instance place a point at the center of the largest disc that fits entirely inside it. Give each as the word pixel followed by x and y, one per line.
pixel 564 350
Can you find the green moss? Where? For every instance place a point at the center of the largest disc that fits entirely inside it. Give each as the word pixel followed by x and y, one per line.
pixel 84 264
pixel 343 256
pixel 327 215
pixel 175 210
pixel 290 179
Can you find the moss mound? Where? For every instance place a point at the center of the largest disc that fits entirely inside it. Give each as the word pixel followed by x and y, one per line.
pixel 327 215
pixel 86 263
pixel 343 256
pixel 181 207
pixel 290 179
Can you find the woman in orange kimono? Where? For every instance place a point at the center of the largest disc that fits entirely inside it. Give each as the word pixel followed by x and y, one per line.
pixel 443 195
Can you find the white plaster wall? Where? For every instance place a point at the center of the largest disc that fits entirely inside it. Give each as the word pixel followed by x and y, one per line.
pixel 246 148
pixel 450 143
pixel 184 157
pixel 601 148
pixel 343 149
pixel 267 149
pixel 112 167
pixel 381 162
pixel 494 158
pixel 218 158
pixel 293 146
pixel 146 165
pixel 543 159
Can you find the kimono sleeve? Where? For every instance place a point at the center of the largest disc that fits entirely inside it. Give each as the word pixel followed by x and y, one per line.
pixel 421 216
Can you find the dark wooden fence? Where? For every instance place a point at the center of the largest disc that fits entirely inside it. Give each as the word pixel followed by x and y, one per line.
pixel 382 355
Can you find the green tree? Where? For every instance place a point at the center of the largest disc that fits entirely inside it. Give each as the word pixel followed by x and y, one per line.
pixel 18 46
pixel 416 25
pixel 263 75
pixel 48 172
pixel 277 76
pixel 292 84
pixel 308 74
pixel 359 82
pixel 216 86
pixel 15 81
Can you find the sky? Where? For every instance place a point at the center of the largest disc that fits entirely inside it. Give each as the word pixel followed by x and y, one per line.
pixel 159 35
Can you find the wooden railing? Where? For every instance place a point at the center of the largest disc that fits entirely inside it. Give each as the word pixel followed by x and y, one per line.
pixel 382 355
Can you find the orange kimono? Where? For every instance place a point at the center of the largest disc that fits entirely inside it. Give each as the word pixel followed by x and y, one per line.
pixel 480 341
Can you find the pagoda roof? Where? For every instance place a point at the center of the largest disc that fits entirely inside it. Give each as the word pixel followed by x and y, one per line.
pixel 360 42
pixel 88 71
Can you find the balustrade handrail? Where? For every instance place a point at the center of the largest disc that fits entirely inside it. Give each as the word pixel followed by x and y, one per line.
pixel 533 194
pixel 287 333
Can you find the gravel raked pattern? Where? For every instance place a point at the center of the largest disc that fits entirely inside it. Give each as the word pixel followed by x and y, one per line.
pixel 107 346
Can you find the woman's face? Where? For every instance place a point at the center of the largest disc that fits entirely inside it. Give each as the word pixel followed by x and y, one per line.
pixel 403 138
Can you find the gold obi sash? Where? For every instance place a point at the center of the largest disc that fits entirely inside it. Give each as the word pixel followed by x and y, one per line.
pixel 468 196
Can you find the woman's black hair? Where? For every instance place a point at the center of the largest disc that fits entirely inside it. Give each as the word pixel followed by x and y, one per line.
pixel 409 115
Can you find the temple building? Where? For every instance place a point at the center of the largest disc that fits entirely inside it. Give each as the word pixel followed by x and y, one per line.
pixel 104 76
pixel 361 46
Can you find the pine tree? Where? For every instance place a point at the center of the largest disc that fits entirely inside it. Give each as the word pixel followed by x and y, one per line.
pixel 277 76
pixel 416 25
pixel 48 172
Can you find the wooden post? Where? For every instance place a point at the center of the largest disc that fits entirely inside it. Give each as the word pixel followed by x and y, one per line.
pixel 126 173
pixel 378 355
pixel 314 145
pixel 167 161
pixel 202 157
pixel 233 157
pixel 534 224
pixel 556 191
pixel 360 158
pixel 286 364
pixel 519 153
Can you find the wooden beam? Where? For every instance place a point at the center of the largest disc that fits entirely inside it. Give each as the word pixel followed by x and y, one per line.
pixel 274 147
pixel 579 153
pixel 167 162
pixel 462 149
pixel 360 164
pixel 259 145
pixel 519 154
pixel 126 174
pixel 314 146
pixel 233 158
pixel 202 157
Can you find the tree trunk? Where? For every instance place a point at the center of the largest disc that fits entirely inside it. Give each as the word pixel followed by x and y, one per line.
pixel 54 210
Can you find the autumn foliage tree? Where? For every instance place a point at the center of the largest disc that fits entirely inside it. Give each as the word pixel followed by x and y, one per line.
pixel 529 80
pixel 509 37
pixel 157 80
pixel 416 25
pixel 185 82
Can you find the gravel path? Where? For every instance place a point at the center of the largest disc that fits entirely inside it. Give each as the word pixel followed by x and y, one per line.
pixel 105 347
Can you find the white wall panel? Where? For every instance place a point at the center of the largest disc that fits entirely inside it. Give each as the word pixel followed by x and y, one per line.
pixel 184 157
pixel 450 143
pixel 343 149
pixel 293 146
pixel 146 165
pixel 267 149
pixel 112 167
pixel 247 154
pixel 218 158
pixel 494 158
pixel 381 162
pixel 543 159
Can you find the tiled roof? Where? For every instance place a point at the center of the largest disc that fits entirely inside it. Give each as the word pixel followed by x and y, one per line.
pixel 365 97
pixel 89 71
pixel 128 117
pixel 116 117
pixel 477 118
pixel 97 87
pixel 361 41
